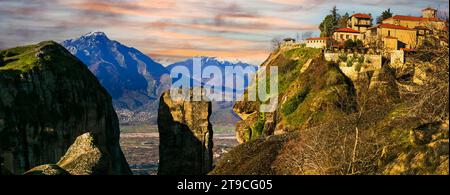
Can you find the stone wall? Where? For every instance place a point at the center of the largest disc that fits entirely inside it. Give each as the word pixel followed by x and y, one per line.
pixel 397 58
pixel 371 62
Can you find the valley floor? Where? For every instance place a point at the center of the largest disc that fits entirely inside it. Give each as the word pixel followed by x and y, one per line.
pixel 141 148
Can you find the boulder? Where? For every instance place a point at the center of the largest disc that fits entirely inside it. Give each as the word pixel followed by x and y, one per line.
pixel 185 137
pixel 85 157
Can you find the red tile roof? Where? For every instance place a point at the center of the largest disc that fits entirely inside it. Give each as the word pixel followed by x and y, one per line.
pixel 347 30
pixel 414 18
pixel 392 26
pixel 421 27
pixel 429 8
pixel 317 38
pixel 360 15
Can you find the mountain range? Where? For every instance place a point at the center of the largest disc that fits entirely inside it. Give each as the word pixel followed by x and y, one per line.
pixel 134 80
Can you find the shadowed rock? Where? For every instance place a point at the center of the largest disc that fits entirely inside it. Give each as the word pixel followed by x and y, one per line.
pixel 47 99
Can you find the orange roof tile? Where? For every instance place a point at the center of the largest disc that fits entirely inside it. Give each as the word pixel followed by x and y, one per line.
pixel 392 26
pixel 361 15
pixel 347 30
pixel 317 38
pixel 414 18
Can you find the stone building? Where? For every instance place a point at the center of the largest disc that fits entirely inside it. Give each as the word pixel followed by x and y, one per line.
pixel 395 33
pixel 318 42
pixel 344 34
pixel 360 22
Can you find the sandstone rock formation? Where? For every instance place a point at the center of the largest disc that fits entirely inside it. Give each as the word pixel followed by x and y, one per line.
pixel 49 169
pixel 185 137
pixel 85 157
pixel 47 99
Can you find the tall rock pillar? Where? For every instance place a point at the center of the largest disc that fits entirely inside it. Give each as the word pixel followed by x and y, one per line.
pixel 185 135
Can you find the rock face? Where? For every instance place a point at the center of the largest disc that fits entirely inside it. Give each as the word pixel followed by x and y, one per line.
pixel 185 137
pixel 85 157
pixel 310 90
pixel 47 99
pixel 379 123
pixel 49 169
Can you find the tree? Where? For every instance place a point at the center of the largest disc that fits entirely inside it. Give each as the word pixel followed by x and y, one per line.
pixel 353 44
pixel 306 34
pixel 330 23
pixel 276 43
pixel 384 15
pixel 343 20
pixel 349 43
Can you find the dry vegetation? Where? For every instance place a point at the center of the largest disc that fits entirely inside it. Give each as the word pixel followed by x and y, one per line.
pixel 400 126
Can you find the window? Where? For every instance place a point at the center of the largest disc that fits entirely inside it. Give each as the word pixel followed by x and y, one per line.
pixel 389 33
pixel 342 36
pixel 348 37
pixel 355 37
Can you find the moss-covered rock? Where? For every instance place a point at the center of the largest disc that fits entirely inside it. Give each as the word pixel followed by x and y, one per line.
pixel 47 99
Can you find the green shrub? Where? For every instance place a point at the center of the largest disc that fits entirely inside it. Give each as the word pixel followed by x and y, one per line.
pixel 358 67
pixel 343 57
pixel 350 61
pixel 349 44
pixel 361 59
pixel 291 105
pixel 258 128
pixel 358 43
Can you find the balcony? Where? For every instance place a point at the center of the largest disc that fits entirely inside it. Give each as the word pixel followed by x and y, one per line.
pixel 363 23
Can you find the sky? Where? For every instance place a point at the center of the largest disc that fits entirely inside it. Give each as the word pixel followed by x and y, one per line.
pixel 172 30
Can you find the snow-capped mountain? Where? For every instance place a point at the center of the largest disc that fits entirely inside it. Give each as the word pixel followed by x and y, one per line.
pixel 130 77
pixel 222 110
pixel 227 84
pixel 135 81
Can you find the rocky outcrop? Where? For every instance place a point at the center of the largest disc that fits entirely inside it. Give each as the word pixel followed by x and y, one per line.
pixel 310 90
pixel 426 152
pixel 47 99
pixel 328 124
pixel 185 137
pixel 85 157
pixel 49 169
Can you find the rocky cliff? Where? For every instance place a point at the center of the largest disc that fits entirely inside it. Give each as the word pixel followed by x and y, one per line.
pixel 380 123
pixel 185 137
pixel 47 99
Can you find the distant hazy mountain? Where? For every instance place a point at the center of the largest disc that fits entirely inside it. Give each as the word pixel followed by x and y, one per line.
pixel 130 77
